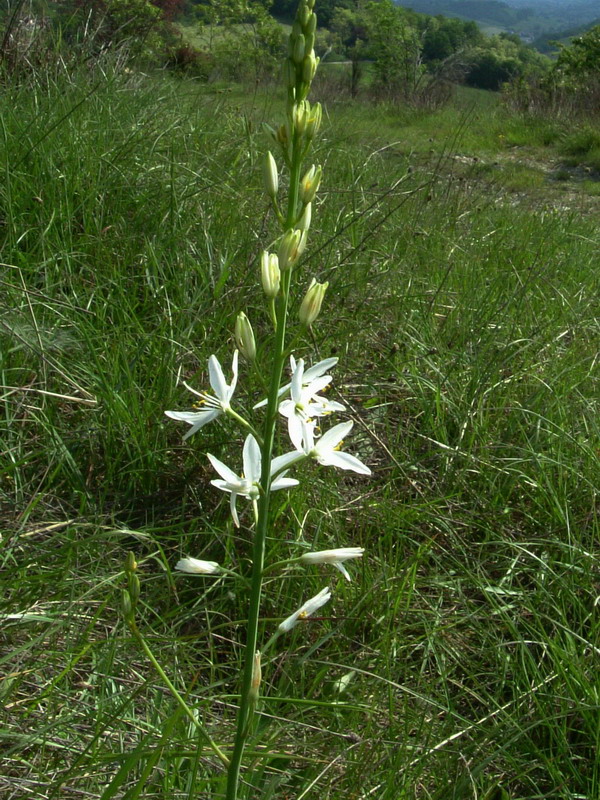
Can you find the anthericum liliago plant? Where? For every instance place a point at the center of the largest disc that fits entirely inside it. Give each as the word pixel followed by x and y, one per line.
pixel 298 404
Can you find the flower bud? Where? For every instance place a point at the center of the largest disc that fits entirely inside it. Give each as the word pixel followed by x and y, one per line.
pixel 134 588
pixel 256 677
pixel 126 605
pixel 304 15
pixel 309 184
pixel 313 122
pixel 289 73
pixel 291 248
pixel 309 66
pixel 311 304
pixel 299 47
pixel 311 24
pixel 270 273
pixel 270 179
pixel 300 115
pixel 309 43
pixel 130 562
pixel 283 136
pixel 244 337
pixel 304 221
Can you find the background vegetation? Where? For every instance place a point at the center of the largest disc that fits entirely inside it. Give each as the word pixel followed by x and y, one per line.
pixel 460 241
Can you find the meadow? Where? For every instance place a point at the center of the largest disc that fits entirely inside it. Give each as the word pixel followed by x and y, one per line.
pixel 461 248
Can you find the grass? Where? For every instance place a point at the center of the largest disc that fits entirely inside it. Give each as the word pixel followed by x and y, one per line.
pixel 463 657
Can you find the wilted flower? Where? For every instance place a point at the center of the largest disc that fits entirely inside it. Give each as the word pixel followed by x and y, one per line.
pixel 335 557
pixel 256 676
pixel 312 605
pixel 248 484
pixel 197 566
pixel 214 406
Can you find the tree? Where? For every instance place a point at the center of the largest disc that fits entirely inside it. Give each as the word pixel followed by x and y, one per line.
pixel 350 29
pixel 395 46
pixel 581 59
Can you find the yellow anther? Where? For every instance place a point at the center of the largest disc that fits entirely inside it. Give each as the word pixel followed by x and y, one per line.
pixel 339 445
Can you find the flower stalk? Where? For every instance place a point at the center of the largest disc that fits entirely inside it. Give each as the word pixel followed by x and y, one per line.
pixel 298 402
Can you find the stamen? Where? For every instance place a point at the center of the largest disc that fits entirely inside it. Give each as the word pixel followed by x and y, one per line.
pixel 339 445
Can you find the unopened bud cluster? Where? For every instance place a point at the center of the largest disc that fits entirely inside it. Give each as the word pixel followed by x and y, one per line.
pixel 130 595
pixel 302 63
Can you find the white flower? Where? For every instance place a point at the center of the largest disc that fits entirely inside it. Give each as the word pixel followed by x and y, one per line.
pixel 248 484
pixel 325 450
pixel 335 557
pixel 311 374
pixel 306 610
pixel 214 406
pixel 305 402
pixel 197 566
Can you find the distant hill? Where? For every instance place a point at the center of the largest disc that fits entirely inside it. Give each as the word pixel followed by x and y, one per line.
pixel 543 42
pixel 531 19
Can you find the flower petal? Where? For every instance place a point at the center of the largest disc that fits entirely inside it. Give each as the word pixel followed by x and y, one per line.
pixel 314 387
pixel 331 556
pixel 287 408
pixel 306 609
pixel 234 370
pixel 342 569
pixel 217 379
pixel 295 431
pixel 251 459
pixel 308 437
pixel 342 460
pixel 194 418
pixel 296 390
pixel 283 483
pixel 285 461
pixel 319 369
pixel 224 471
pixel 334 436
pixel 232 506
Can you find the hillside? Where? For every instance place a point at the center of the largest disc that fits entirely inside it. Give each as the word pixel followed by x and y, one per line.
pixel 544 42
pixel 530 19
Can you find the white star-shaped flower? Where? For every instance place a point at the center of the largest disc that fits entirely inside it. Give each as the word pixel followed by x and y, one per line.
pixel 305 402
pixel 312 605
pixel 334 557
pixel 325 451
pixel 248 484
pixel 213 406
pixel 312 373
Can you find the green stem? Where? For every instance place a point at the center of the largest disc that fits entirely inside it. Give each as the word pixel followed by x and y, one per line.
pixel 245 424
pixel 184 706
pixel 262 525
